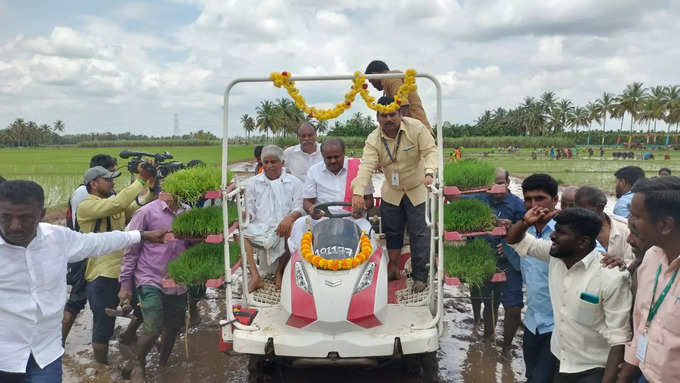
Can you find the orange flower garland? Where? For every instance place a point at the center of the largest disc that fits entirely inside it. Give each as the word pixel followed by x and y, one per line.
pixel 359 86
pixel 335 264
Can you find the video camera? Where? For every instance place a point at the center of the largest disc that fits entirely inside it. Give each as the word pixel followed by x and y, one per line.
pixel 162 168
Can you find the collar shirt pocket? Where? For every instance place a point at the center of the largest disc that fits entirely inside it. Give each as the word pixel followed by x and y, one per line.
pixel 587 314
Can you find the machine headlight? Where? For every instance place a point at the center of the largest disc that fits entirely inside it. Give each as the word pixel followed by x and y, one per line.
pixel 366 278
pixel 301 278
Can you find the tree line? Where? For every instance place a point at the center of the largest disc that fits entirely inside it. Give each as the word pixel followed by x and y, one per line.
pixel 547 114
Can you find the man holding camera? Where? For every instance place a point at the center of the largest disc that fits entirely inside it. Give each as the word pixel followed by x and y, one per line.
pixel 100 213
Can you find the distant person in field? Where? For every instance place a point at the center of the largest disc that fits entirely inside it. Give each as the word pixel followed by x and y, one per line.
pixel 301 157
pixel 568 197
pixel 664 172
pixel 257 153
pixel 33 280
pixel 413 107
pixel 626 177
pixel 274 203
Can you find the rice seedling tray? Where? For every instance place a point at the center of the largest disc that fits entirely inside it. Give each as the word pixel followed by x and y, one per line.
pixel 474 262
pixel 191 184
pixel 469 174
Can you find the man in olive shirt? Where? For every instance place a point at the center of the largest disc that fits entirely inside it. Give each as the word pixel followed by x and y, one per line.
pixel 99 213
pixel 407 152
pixel 412 107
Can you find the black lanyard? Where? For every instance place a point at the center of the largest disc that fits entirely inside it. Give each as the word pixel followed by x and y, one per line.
pixel 396 148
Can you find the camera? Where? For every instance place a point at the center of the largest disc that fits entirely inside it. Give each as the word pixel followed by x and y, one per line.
pixel 162 168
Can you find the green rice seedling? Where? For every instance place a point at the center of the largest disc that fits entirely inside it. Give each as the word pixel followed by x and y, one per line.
pixel 190 184
pixel 468 215
pixel 234 253
pixel 469 174
pixel 473 262
pixel 198 222
pixel 198 264
pixel 232 213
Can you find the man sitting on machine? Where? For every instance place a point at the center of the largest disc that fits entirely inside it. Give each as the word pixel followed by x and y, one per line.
pixel 274 200
pixel 330 182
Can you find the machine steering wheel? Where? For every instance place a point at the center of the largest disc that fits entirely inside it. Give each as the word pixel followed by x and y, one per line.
pixel 327 213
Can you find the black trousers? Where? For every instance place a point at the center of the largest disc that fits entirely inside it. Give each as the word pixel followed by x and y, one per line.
pixel 540 362
pixel 394 219
pixel 594 375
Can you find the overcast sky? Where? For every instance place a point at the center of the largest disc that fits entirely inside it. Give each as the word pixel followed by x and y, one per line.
pixel 129 66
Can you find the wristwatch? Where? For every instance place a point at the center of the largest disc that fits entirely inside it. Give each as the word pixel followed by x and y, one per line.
pixel 141 234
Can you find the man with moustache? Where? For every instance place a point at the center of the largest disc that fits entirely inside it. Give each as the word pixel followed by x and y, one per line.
pixel 626 177
pixel 407 152
pixel 540 191
pixel 274 200
pixel 655 349
pixel 301 157
pixel 327 182
pixel 591 303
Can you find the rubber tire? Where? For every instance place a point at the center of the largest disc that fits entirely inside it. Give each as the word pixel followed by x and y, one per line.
pixel 262 371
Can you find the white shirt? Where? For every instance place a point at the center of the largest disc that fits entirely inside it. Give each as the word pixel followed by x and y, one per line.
pixel 269 201
pixel 33 290
pixel 298 162
pixel 618 236
pixel 584 332
pixel 79 195
pixel 325 186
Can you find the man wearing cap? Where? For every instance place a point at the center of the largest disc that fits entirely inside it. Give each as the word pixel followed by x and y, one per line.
pixel 100 213
pixel 274 200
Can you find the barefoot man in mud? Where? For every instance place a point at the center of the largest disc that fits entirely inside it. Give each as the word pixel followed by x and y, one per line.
pixel 33 276
pixel 143 268
pixel 274 203
pixel 406 150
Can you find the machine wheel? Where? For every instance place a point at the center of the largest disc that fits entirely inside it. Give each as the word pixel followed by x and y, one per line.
pixel 262 371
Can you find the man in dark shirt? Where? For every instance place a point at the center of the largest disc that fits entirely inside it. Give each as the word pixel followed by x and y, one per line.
pixel 508 209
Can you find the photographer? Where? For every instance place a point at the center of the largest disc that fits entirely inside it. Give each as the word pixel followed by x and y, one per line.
pixel 102 273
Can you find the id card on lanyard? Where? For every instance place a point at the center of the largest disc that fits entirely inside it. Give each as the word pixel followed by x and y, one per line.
pixel 641 350
pixel 393 159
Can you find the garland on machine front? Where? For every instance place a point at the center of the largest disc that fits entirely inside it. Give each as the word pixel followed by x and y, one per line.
pixel 359 86
pixel 362 256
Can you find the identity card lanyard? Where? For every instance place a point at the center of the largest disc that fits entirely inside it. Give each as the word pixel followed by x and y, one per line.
pixel 395 175
pixel 655 305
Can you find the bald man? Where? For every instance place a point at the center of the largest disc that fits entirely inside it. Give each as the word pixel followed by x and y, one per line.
pixel 568 197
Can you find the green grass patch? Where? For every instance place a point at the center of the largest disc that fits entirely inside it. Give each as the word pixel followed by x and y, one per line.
pixel 468 174
pixel 234 253
pixel 190 184
pixel 473 262
pixel 468 215
pixel 202 221
pixel 198 264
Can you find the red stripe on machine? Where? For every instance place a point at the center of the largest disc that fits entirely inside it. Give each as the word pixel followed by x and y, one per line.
pixel 303 308
pixel 362 306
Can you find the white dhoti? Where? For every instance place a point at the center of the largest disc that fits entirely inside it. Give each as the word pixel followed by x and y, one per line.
pixel 300 228
pixel 260 235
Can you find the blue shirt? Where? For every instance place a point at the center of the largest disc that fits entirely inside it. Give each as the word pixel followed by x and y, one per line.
pixel 622 207
pixel 539 313
pixel 512 208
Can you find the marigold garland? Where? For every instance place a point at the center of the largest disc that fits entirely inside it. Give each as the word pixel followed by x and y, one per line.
pixel 359 86
pixel 335 264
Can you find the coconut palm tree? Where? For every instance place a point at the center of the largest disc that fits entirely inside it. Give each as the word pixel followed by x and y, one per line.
pixel 291 116
pixel 268 117
pixel 632 100
pixel 656 105
pixel 248 124
pixel 593 114
pixel 605 105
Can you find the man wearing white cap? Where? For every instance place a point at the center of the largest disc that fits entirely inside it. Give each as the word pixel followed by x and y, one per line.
pixel 274 201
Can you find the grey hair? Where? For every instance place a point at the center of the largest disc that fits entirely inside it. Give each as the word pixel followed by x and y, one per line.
pixel 272 151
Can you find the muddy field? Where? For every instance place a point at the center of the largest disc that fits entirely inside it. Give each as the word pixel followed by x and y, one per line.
pixel 464 355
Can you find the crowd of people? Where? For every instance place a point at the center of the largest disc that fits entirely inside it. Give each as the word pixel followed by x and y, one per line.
pixel 601 298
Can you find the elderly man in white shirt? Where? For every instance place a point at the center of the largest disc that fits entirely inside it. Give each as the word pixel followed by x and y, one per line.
pixel 274 201
pixel 301 157
pixel 33 280
pixel 591 303
pixel 327 182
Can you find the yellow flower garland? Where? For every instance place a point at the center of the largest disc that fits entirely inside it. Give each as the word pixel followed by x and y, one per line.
pixel 335 264
pixel 358 86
